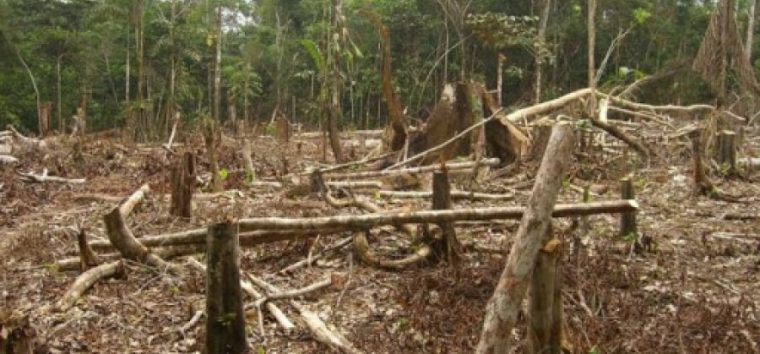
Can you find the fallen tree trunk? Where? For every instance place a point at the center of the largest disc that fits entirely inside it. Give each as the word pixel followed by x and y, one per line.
pixel 370 134
pixel 29 143
pixel 429 168
pixel 454 195
pixel 87 280
pixel 362 222
pixel 7 160
pixel 504 305
pixel 43 178
pixel 614 131
pixel 197 237
pixel 527 113
pixel 124 241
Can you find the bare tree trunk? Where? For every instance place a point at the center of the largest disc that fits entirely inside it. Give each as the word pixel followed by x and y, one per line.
pixel 29 72
pixel 502 309
pixel 501 60
pixel 750 29
pixel 59 110
pixel 225 322
pixel 218 65
pixel 591 52
pixel 126 70
pixel 542 39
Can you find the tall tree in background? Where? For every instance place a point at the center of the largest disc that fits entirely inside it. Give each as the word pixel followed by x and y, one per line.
pixel 750 29
pixel 217 62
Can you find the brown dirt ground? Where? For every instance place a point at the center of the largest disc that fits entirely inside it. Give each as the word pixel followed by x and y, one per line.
pixel 691 292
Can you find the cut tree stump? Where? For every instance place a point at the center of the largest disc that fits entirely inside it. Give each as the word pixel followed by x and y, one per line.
pixel 725 150
pixel 225 322
pixel 87 258
pixel 506 302
pixel 545 316
pixel 183 184
pixel 702 184
pixel 541 136
pixel 441 201
pixel 627 220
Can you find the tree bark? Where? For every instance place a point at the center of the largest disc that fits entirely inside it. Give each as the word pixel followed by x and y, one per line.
pixel 183 185
pixel 218 65
pixel 502 309
pixel 545 319
pixel 361 222
pixel 442 201
pixel 225 322
pixel 750 29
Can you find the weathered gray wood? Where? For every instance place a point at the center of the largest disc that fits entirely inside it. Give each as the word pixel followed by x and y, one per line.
pixel 362 222
pixel 504 305
pixel 225 323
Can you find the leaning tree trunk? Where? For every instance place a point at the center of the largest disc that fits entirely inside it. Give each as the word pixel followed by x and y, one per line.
pixel 506 302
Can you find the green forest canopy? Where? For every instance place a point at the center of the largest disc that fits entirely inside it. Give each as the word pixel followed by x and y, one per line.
pixel 86 51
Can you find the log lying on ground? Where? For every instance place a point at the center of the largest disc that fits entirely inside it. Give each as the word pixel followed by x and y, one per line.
pixel 28 143
pixel 650 108
pixel 87 280
pixel 43 178
pixel 124 241
pixel 614 131
pixel 546 107
pixel 454 195
pixel 318 329
pixel 197 237
pixel 752 163
pixel 362 222
pixel 430 168
pixel 506 302
pixel 7 160
pixel 376 134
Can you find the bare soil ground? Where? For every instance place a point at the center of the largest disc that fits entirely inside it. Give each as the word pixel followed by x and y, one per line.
pixel 695 288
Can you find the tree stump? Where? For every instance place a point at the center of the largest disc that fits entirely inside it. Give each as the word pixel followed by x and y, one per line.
pixel 702 185
pixel 627 220
pixel 44 118
pixel 545 318
pixel 225 324
pixel 725 150
pixel 442 200
pixel 506 302
pixel 282 129
pixel 183 185
pixel 540 140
